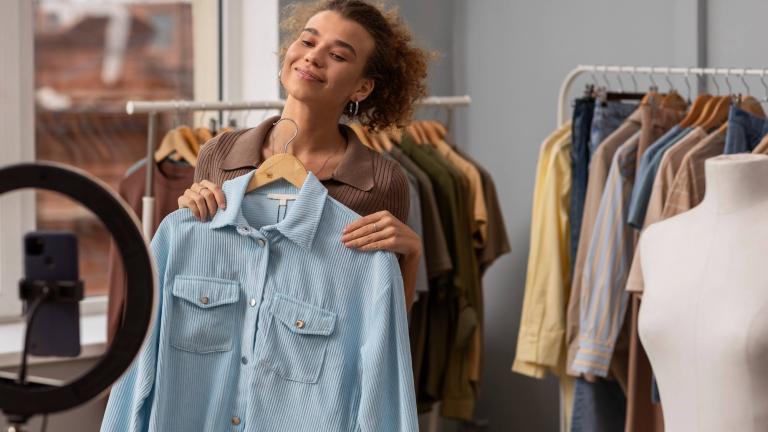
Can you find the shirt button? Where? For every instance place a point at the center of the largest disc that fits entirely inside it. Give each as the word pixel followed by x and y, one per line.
pixel 262 242
pixel 299 324
pixel 244 360
pixel 204 300
pixel 252 302
pixel 235 420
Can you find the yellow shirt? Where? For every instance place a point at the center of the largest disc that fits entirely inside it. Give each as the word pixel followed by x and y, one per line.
pixel 541 340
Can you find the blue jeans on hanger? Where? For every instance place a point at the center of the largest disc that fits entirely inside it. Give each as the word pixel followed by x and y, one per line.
pixel 744 131
pixel 583 109
pixel 598 407
pixel 607 118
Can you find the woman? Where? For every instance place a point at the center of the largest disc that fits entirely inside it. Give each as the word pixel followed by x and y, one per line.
pixel 347 58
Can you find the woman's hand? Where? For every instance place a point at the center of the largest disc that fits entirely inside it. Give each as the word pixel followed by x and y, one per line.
pixel 203 199
pixel 382 231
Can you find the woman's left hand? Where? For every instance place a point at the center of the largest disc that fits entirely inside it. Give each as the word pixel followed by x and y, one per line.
pixel 382 231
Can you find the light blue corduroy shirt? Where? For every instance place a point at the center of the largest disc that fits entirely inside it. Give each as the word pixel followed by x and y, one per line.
pixel 267 322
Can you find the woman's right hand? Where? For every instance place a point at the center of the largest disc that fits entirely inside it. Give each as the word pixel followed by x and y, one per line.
pixel 203 199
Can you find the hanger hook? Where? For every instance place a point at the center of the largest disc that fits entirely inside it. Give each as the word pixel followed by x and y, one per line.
pixel 604 76
pixel 669 82
pixel 728 82
pixel 634 79
pixel 653 81
pixel 295 134
pixel 594 80
pixel 717 86
pixel 765 86
pixel 621 84
pixel 200 113
pixel 688 83
pixel 744 82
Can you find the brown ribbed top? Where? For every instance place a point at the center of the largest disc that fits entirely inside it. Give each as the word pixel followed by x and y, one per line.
pixel 363 180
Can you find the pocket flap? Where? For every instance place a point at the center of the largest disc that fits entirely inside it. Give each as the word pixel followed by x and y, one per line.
pixel 302 318
pixel 206 292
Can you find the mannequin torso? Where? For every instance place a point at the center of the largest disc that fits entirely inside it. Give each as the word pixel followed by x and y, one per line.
pixel 704 315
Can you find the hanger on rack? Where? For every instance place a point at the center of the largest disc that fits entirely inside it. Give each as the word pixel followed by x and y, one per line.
pixel 179 143
pixel 280 166
pixel 697 108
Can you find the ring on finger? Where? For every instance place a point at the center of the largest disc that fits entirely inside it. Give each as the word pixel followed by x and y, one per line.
pixel 375 228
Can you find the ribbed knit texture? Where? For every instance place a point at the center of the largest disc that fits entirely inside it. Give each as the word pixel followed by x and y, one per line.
pixel 390 190
pixel 276 324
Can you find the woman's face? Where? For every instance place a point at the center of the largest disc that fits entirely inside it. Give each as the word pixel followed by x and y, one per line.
pixel 325 64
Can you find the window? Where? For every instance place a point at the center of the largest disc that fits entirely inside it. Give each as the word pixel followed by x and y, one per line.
pixel 90 58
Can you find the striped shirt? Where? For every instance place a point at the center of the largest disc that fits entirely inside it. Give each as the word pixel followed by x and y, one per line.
pixel 275 326
pixel 603 298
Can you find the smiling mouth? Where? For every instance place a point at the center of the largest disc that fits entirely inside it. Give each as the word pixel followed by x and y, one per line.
pixel 308 76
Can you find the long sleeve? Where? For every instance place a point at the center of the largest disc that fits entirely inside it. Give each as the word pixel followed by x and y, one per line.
pixel 130 400
pixel 603 301
pixel 387 395
pixel 542 322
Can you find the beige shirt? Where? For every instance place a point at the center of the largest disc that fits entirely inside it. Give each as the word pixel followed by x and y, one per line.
pixel 687 190
pixel 476 195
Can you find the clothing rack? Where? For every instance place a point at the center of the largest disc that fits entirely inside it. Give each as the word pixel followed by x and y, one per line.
pixel 634 71
pixel 153 108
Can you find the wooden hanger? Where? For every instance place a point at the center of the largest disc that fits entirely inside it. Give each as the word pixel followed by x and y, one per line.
pixel 280 166
pixel 166 147
pixel 440 127
pixel 649 96
pixel 706 112
pixel 719 115
pixel 697 107
pixel 673 100
pixel 191 141
pixel 752 106
pixel 433 133
pixel 365 137
pixel 762 147
pixel 417 133
pixel 384 141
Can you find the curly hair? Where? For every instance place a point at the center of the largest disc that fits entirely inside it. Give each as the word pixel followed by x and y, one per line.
pixel 397 68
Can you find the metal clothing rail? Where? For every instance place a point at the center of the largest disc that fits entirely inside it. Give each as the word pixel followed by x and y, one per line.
pixel 565 88
pixel 153 108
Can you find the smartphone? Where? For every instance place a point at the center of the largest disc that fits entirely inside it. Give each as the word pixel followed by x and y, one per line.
pixel 53 256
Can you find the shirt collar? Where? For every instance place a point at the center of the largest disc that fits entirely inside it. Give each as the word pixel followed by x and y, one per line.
pixel 299 225
pixel 355 168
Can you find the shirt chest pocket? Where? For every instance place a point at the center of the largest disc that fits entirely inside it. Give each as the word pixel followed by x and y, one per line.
pixel 297 339
pixel 204 312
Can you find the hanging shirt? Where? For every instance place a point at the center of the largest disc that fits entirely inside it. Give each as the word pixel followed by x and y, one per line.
pixel 603 299
pixel 266 322
pixel 646 174
pixel 540 340
pixel 599 169
pixel 687 189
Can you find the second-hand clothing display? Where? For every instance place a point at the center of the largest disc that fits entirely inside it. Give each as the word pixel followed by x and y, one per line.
pixel 635 171
pixel 310 336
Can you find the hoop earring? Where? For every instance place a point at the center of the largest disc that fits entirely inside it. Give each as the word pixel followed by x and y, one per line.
pixel 353 112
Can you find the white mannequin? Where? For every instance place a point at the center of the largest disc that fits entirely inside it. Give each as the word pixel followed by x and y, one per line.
pixel 704 315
